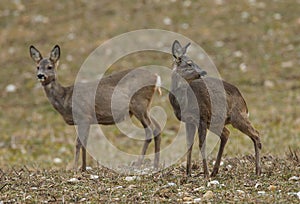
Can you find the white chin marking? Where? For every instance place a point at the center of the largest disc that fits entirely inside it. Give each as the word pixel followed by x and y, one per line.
pixel 41 80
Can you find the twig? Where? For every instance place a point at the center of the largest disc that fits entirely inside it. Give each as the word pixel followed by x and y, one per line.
pixel 6 184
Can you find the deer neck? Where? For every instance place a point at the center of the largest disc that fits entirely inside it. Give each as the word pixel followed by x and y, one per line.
pixel 57 96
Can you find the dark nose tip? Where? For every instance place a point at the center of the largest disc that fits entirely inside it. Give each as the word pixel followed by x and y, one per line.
pixel 40 76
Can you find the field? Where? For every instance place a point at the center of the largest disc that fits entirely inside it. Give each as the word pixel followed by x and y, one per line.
pixel 255 45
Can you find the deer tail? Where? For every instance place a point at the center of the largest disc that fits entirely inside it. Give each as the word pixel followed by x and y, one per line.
pixel 158 84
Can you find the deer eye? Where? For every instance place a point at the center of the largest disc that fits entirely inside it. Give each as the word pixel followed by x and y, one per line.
pixel 37 67
pixel 50 67
pixel 190 62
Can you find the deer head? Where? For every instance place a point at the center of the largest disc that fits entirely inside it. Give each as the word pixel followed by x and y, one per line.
pixel 183 65
pixel 46 72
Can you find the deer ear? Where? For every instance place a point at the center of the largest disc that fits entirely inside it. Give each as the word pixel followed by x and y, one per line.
pixel 185 48
pixel 35 54
pixel 55 54
pixel 177 49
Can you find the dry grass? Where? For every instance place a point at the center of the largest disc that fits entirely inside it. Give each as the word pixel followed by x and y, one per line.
pixel 235 183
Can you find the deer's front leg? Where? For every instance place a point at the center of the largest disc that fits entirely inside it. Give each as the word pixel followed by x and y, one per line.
pixel 202 130
pixel 81 142
pixel 190 135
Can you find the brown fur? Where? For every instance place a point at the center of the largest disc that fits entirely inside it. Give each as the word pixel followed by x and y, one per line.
pixel 100 112
pixel 216 100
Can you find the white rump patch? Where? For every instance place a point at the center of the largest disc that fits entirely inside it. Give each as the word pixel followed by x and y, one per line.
pixel 158 84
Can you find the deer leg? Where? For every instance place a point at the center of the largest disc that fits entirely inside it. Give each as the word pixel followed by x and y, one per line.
pixel 157 140
pixel 243 124
pixel 190 135
pixel 83 133
pixel 77 152
pixel 148 134
pixel 202 130
pixel 147 141
pixel 224 137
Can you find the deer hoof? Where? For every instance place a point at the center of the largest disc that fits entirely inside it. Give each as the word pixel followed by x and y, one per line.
pixel 214 173
pixel 258 171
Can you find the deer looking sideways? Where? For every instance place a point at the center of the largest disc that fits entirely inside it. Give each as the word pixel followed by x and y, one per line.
pixel 61 99
pixel 207 93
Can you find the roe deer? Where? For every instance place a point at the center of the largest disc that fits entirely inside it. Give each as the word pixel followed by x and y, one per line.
pixel 61 99
pixel 235 110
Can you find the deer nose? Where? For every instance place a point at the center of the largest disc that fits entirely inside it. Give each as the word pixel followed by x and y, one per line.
pixel 40 76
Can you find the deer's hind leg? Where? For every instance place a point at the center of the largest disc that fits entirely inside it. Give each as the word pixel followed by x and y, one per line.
pixel 157 141
pixel 151 128
pixel 242 123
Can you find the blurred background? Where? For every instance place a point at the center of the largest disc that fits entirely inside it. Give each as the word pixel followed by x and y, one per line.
pixel 254 44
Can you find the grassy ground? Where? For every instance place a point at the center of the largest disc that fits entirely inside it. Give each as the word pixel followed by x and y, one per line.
pixel 254 44
pixel 236 183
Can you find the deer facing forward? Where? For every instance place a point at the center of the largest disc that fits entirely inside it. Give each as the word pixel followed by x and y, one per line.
pixel 100 112
pixel 218 103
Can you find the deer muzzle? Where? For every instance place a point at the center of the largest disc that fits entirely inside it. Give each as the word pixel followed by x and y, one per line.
pixel 41 77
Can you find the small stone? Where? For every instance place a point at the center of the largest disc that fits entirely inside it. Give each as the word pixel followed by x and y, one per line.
pixel 28 197
pixel 10 88
pixel 277 16
pixel 199 189
pixel 94 177
pixel 243 67
pixel 185 26
pixel 117 187
pixel 294 178
pixel 257 185
pixel 229 166
pixel 240 192
pixel 214 182
pixel 238 54
pixel 261 192
pixel 69 58
pixel 287 64
pixel 167 21
pixel 11 50
pixel 40 19
pixel 219 44
pixel 197 200
pixel 219 2
pixel 171 184
pixel 268 83
pixel 187 3
pixel 245 15
pixel 208 195
pixel 187 198
pixel 73 180
pixel 57 160
pixel 261 5
pixel 295 193
pixel 130 178
pixel 131 186
pixel 221 163
pixel 71 36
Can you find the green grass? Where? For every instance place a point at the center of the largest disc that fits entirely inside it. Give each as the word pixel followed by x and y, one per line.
pixel 33 134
